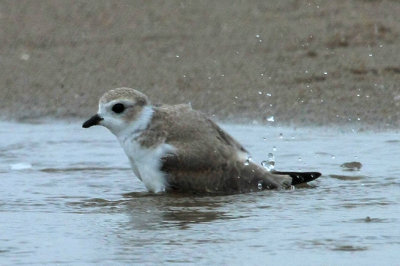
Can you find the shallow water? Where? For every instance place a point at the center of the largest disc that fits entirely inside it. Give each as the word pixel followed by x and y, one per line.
pixel 67 196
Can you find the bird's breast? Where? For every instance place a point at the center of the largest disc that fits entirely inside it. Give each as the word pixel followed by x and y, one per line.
pixel 146 163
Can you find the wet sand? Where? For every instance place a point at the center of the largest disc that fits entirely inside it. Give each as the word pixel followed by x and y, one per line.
pixel 302 62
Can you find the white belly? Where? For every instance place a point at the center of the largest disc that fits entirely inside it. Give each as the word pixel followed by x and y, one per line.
pixel 146 164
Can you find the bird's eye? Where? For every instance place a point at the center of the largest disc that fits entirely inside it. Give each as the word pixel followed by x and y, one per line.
pixel 118 108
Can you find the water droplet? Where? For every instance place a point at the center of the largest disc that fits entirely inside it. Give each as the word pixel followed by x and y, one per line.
pixel 271 157
pixel 358 118
pixel 271 119
pixel 25 56
pixel 248 160
pixel 333 157
pixel 274 148
pixel 325 73
pixel 358 95
pixel 260 93
pixel 177 56
pixel 260 40
pixel 257 35
pixel 300 159
pixel 269 94
pixel 370 55
pixel 269 164
pixel 259 186
pixel 281 135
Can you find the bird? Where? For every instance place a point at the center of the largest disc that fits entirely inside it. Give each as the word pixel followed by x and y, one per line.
pixel 174 148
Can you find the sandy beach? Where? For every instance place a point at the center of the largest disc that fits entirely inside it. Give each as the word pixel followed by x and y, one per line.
pixel 301 62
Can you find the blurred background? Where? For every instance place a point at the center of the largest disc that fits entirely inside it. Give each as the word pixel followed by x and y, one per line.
pixel 282 62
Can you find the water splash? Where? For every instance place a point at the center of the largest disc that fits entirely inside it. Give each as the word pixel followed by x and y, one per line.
pixel 248 160
pixel 269 164
pixel 271 119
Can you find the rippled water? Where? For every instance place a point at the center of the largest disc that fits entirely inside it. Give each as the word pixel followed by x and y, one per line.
pixel 67 196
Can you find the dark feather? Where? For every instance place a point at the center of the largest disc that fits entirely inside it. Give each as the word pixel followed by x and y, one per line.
pixel 205 158
pixel 299 177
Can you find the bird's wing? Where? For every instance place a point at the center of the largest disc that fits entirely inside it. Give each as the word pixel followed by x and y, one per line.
pixel 198 142
pixel 225 137
pixel 207 159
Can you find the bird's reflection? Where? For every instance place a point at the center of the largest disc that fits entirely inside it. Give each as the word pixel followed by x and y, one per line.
pixel 153 211
pixel 149 211
pixel 139 220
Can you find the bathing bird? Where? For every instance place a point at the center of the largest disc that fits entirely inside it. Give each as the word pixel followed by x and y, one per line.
pixel 174 148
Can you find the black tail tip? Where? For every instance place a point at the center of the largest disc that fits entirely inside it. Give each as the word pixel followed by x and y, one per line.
pixel 300 177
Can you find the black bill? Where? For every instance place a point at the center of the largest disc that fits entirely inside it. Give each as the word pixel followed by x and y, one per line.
pixel 93 121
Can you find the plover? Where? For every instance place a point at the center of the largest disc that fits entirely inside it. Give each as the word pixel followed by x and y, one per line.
pixel 175 148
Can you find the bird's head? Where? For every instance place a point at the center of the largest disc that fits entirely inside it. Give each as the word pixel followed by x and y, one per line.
pixel 121 109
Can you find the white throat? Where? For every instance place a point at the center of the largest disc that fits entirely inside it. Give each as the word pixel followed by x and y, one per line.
pixel 145 162
pixel 135 128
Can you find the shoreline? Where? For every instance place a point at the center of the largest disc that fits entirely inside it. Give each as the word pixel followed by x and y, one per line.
pixel 344 128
